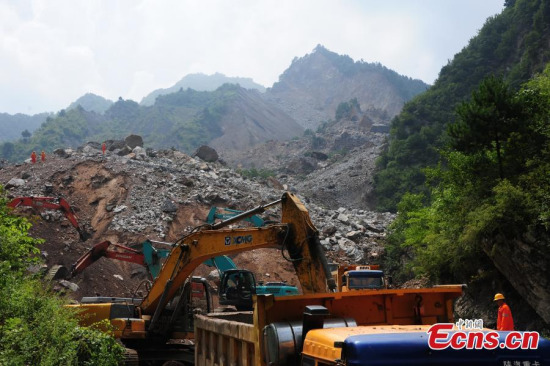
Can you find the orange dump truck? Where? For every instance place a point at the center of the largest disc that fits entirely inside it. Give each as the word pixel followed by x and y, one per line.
pixel 273 334
pixel 360 328
pixel 360 277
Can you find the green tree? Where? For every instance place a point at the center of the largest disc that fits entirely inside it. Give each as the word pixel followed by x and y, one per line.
pixel 26 135
pixel 487 121
pixel 8 149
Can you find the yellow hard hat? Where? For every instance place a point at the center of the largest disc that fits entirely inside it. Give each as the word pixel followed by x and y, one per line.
pixel 499 297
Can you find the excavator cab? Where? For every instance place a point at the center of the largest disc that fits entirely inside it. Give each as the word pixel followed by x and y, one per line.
pixel 237 286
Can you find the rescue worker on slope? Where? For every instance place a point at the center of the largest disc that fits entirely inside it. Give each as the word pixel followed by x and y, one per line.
pixel 33 157
pixel 504 320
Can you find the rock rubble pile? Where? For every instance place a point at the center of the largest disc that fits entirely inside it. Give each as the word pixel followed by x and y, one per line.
pixel 162 195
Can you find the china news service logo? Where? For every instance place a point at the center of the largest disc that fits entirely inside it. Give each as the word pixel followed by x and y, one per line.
pixel 469 334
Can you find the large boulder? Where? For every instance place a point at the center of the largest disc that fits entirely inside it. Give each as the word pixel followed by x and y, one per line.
pixel 206 153
pixel 15 182
pixel 140 153
pixel 112 145
pixel 62 153
pixel 301 165
pixel 133 141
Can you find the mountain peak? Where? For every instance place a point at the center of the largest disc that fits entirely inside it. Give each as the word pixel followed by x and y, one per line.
pixel 315 84
pixel 91 103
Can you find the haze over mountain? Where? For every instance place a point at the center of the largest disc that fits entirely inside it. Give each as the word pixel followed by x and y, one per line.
pixel 11 126
pixel 92 103
pixel 202 82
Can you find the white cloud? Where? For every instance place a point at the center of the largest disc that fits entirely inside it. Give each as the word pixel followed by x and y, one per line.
pixel 53 51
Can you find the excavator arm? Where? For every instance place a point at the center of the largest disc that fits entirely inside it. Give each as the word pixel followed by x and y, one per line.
pixel 148 256
pixel 295 233
pixel 102 250
pixel 51 203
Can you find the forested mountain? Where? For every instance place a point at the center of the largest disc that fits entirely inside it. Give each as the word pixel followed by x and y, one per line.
pixel 514 45
pixel 202 82
pixel 11 126
pixel 313 87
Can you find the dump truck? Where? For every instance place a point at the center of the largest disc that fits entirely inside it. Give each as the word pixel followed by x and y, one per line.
pixel 360 277
pixel 359 328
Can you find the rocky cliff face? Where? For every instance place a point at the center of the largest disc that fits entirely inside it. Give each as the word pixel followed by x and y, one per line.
pixel 524 262
pixel 333 165
pixel 311 89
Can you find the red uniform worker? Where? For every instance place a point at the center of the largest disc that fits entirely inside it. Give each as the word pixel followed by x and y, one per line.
pixel 504 320
pixel 33 157
pixel 103 148
pixel 43 156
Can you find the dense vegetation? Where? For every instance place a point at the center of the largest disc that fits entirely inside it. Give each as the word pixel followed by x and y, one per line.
pixel 35 328
pixel 494 181
pixel 512 45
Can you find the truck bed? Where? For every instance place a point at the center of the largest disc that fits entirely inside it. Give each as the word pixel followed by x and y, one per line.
pixel 237 340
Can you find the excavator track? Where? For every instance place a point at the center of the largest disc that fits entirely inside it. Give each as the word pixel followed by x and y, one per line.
pixel 131 357
pixel 56 272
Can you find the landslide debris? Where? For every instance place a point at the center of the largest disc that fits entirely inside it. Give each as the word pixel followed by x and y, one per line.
pixel 162 195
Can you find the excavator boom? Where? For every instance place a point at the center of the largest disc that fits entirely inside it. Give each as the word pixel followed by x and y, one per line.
pixel 101 250
pixel 51 203
pixel 296 234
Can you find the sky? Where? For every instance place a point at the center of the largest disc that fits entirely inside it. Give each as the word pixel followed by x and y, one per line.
pixel 54 51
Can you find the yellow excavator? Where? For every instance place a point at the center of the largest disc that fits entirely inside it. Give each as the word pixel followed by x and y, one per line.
pixel 161 323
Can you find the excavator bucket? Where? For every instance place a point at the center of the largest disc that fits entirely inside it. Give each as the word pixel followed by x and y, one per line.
pixel 83 234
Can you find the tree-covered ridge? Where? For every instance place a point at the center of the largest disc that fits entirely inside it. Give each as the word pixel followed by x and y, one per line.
pixel 512 45
pixel 201 82
pixel 35 328
pixel 184 120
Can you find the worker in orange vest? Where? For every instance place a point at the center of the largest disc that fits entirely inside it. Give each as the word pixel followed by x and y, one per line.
pixel 33 157
pixel 504 320
pixel 103 148
pixel 43 156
